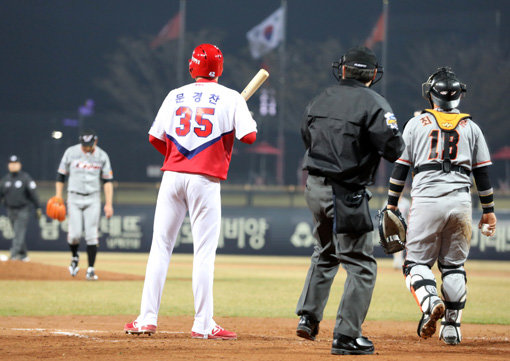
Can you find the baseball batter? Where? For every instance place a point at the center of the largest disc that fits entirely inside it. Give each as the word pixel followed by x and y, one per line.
pixel 194 129
pixel 85 166
pixel 444 147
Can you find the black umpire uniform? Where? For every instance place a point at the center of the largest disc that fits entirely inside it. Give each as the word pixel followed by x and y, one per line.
pixel 18 193
pixel 346 130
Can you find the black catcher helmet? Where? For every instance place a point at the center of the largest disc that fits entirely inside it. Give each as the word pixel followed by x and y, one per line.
pixel 443 89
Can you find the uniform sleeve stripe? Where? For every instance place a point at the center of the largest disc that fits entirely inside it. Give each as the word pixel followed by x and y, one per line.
pixel 487 192
pixel 487 162
pixel 404 161
pixel 487 205
pixel 394 194
pixel 397 181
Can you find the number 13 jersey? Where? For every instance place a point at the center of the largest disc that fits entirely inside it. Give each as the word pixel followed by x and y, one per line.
pixel 198 122
pixel 424 143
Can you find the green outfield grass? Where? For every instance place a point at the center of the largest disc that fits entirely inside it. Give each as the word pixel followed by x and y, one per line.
pixel 245 286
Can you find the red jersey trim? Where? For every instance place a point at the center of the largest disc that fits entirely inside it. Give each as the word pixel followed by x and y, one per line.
pixel 213 160
pixel 191 153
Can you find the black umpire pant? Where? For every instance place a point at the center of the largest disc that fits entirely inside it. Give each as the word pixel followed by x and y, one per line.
pixel 354 252
pixel 19 221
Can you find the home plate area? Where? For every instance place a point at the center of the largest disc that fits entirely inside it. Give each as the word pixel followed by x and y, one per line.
pixel 103 338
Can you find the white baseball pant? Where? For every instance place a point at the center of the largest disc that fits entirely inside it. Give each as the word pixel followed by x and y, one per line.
pixel 178 193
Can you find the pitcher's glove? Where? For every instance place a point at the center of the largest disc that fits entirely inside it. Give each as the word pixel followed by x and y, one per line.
pixel 392 230
pixel 56 209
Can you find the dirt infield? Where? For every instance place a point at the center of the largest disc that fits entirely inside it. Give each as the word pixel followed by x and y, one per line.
pixel 17 270
pixel 101 337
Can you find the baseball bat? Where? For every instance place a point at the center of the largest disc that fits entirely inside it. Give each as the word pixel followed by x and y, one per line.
pixel 254 84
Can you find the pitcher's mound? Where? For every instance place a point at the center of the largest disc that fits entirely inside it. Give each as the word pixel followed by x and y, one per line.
pixel 17 270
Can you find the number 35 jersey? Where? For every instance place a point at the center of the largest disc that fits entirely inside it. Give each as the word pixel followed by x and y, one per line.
pixel 425 143
pixel 198 122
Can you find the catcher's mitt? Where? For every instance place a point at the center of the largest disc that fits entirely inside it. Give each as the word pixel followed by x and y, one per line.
pixel 56 209
pixel 392 230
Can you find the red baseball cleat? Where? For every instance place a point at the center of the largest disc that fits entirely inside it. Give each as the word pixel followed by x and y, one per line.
pixel 134 328
pixel 217 333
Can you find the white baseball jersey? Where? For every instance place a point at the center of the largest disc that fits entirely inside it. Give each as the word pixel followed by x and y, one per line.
pixel 198 122
pixel 424 141
pixel 85 170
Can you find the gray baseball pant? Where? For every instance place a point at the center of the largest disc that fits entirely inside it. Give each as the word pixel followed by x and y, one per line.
pixel 354 252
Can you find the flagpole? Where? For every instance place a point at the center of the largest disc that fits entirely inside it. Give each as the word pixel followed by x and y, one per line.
pixel 383 165
pixel 385 47
pixel 180 51
pixel 281 113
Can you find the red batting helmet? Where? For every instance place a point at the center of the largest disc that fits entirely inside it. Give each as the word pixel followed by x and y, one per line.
pixel 206 61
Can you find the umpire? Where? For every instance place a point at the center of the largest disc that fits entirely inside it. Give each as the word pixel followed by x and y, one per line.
pixel 18 193
pixel 346 130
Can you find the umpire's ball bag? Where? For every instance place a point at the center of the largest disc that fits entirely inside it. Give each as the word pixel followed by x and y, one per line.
pixel 352 214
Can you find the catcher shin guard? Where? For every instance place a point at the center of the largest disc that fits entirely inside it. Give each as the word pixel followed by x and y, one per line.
pixel 422 284
pixel 454 293
pixel 392 230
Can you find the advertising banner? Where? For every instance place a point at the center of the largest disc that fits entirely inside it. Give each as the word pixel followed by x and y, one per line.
pixel 244 230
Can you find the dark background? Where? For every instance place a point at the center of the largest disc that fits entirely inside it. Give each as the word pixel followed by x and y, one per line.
pixel 54 51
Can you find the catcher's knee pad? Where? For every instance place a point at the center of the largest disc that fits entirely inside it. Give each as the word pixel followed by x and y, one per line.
pixel 421 282
pixel 92 242
pixel 454 293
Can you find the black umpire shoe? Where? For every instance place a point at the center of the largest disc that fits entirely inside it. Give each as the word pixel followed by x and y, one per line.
pixel 345 345
pixel 308 327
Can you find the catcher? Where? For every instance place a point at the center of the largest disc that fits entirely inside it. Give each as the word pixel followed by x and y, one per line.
pixel 444 147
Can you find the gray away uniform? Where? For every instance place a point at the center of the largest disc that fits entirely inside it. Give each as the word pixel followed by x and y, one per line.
pixel 84 172
pixel 439 222
pixel 441 199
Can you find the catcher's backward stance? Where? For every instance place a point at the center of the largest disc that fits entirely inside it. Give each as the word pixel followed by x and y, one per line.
pixel 444 147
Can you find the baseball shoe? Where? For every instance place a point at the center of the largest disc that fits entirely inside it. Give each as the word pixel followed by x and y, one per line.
pixel 307 327
pixel 427 325
pixel 450 327
pixel 91 274
pixel 25 259
pixel 217 333
pixel 73 267
pixel 450 333
pixel 134 329
pixel 345 345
